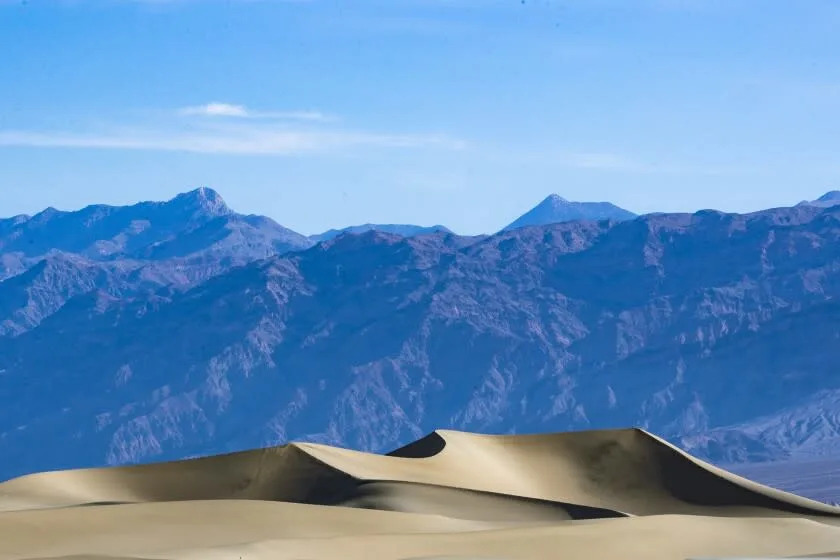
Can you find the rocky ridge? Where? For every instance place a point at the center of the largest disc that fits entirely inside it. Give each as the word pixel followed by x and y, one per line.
pixel 718 331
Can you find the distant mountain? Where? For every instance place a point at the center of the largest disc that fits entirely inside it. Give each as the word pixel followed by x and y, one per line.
pixel 125 251
pixel 556 209
pixel 829 199
pixel 404 230
pixel 191 223
pixel 718 331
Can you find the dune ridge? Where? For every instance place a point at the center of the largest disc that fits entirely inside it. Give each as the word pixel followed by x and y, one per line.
pixel 612 493
pixel 630 471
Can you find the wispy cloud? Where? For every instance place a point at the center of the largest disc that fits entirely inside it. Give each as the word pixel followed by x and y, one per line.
pixel 217 109
pixel 227 128
pixel 240 140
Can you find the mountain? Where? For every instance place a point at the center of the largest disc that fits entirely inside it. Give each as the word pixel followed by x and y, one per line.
pixel 717 331
pixel 126 251
pixel 404 230
pixel 829 199
pixel 556 209
pixel 191 223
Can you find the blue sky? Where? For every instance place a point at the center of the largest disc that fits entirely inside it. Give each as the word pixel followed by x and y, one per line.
pixel 463 112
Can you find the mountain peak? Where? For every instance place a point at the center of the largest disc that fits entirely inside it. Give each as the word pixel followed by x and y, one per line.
pixel 828 200
pixel 555 199
pixel 204 200
pixel 556 209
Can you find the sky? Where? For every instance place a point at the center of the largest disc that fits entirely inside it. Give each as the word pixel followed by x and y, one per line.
pixel 465 113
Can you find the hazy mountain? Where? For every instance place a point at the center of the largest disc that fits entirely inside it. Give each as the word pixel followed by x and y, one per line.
pixel 718 331
pixel 556 209
pixel 189 224
pixel 126 251
pixel 829 199
pixel 404 230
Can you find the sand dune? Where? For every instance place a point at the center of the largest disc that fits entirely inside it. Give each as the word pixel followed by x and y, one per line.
pixel 601 494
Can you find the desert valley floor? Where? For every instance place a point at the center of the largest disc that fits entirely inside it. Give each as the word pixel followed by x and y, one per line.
pixel 622 494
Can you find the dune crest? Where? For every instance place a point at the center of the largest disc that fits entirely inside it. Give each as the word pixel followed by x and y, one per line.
pixel 630 471
pixel 447 493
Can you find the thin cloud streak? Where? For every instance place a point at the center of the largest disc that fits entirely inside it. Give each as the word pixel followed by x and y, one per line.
pixel 232 142
pixel 215 110
pixel 230 110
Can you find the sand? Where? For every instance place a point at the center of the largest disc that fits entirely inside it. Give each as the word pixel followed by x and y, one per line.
pixel 622 494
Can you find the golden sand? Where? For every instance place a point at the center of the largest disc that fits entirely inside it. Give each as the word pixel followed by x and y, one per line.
pixel 621 494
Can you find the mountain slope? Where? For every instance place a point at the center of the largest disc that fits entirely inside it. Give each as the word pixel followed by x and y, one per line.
pixel 829 199
pixel 191 223
pixel 404 230
pixel 556 209
pixel 126 252
pixel 692 326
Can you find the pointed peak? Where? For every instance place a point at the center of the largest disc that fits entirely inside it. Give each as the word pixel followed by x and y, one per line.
pixel 555 209
pixel 204 200
pixel 555 199
pixel 46 214
pixel 201 194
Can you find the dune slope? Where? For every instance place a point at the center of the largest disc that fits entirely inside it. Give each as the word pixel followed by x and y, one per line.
pixel 606 494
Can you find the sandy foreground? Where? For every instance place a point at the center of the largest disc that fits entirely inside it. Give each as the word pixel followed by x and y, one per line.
pixel 622 494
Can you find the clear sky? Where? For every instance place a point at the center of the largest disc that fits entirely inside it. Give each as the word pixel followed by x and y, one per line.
pixel 462 112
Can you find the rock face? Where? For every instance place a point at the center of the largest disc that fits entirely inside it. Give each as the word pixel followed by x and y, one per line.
pixel 126 251
pixel 555 210
pixel 720 332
